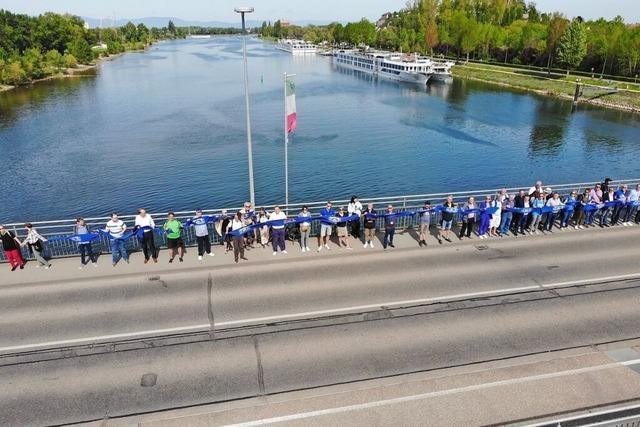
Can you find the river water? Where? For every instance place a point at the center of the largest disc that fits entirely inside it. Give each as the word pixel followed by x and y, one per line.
pixel 165 129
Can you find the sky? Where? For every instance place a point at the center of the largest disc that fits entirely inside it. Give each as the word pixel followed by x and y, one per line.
pixel 291 10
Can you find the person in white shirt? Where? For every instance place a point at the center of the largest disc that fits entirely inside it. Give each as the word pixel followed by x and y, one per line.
pixel 144 221
pixel 355 208
pixel 536 189
pixel 277 236
pixel 238 241
pixel 555 203
pixel 305 228
pixel 496 217
pixel 263 217
pixel 35 242
pixel 116 229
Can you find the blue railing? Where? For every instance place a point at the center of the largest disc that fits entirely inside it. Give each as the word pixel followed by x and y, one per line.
pixel 63 248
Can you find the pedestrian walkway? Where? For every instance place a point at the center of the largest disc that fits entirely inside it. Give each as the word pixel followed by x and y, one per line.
pixel 66 269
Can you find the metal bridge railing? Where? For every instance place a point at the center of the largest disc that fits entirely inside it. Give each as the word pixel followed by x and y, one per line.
pixel 59 249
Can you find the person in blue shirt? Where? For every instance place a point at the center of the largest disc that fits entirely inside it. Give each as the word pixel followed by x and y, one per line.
pixel 390 220
pixel 569 209
pixel 536 214
pixel 326 226
pixel 621 198
pixel 632 200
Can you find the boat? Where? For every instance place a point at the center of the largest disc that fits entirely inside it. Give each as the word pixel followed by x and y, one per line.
pixel 296 47
pixel 393 66
pixel 199 36
pixel 442 71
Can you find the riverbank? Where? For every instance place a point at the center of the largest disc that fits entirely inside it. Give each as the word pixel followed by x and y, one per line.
pixel 557 86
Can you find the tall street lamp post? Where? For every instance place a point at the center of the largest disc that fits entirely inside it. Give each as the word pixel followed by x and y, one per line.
pixel 242 11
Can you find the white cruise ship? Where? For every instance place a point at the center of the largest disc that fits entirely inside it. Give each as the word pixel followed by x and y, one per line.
pixel 297 47
pixel 393 66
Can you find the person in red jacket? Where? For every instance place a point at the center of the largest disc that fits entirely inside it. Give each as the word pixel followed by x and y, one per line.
pixel 11 245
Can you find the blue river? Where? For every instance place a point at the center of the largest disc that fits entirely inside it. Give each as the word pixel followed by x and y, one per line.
pixel 165 129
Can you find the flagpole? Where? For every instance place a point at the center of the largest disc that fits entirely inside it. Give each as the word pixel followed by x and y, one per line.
pixel 286 147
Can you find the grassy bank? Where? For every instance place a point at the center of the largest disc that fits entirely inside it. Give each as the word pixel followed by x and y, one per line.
pixel 557 85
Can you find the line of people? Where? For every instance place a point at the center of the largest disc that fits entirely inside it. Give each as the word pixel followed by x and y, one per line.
pixel 529 212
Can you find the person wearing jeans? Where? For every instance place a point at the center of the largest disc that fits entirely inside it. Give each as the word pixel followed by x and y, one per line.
pixel 34 240
pixel 305 228
pixel 199 224
pixel 116 229
pixel 81 228
pixel 555 203
pixel 468 220
pixel 507 216
pixel 236 224
pixel 278 230
pixel 389 227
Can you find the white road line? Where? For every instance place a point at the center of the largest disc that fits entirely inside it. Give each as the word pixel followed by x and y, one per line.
pixel 318 313
pixel 413 398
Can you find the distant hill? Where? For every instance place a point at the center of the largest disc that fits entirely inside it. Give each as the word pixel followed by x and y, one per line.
pixel 160 22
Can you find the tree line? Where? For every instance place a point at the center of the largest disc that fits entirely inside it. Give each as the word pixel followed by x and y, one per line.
pixel 34 47
pixel 509 31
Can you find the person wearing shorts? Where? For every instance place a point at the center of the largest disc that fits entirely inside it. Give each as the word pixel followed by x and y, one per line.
pixel 173 228
pixel 447 219
pixel 369 225
pixel 326 225
pixel 425 222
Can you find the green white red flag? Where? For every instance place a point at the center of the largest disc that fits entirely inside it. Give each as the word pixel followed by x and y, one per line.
pixel 290 106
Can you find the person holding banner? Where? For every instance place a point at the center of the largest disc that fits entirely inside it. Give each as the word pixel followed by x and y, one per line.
pixel 448 212
pixel 305 228
pixel 621 198
pixel 369 216
pixel 485 217
pixel 390 220
pixel 263 217
pixel 355 208
pixel 81 228
pixel 632 205
pixel 116 228
pixel 425 222
pixel 277 235
pixel 556 204
pixel 35 242
pixel 249 218
pixel 507 215
pixel 144 225
pixel 609 196
pixel 536 214
pixel 326 226
pixel 341 229
pixel 199 224
pixel 222 227
pixel 524 216
pixel 469 218
pixel 11 245
pixel 173 228
pixel 496 219
pixel 237 223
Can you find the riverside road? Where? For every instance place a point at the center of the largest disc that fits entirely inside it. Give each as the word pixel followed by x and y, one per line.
pixel 79 345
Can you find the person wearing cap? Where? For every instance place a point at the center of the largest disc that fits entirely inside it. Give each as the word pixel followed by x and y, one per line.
pixel 199 224
pixel 341 229
pixel 369 216
pixel 390 220
pixel 424 217
pixel 326 226
pixel 355 208
pixel 144 221
pixel 277 231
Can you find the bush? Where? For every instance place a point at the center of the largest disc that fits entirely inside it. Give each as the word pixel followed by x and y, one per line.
pixel 70 61
pixel 32 63
pixel 14 74
pixel 54 58
pixel 81 50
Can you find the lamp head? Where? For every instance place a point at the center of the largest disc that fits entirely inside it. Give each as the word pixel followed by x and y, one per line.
pixel 244 9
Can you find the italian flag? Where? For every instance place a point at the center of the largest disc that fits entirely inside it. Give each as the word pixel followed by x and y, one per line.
pixel 290 106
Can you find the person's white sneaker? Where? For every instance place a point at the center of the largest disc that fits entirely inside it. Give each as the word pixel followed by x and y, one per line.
pixel 47 267
pixel 576 227
pixel 275 253
pixel 304 249
pixel 80 267
pixel 199 257
pixel 212 254
pixel 319 248
pixel 95 265
pixel 365 245
pixel 327 247
pixel 307 248
pixel 284 252
pixel 371 245
pixel 582 227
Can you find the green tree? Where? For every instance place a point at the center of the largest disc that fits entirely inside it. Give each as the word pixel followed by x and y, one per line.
pixel 556 27
pixel 572 47
pixel 172 28
pixel 13 74
pixel 81 50
pixel 70 61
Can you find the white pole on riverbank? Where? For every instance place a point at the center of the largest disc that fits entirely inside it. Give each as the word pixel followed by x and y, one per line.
pixel 242 11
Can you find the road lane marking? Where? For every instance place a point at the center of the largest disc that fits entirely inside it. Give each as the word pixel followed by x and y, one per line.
pixel 423 396
pixel 318 313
